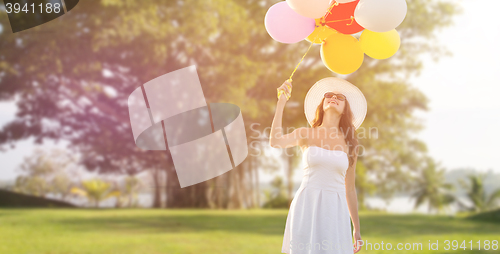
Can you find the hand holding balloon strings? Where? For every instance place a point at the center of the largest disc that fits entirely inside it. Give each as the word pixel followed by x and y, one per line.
pixel 285 89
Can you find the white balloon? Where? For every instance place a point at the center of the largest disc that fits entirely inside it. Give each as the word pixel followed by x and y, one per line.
pixel 314 9
pixel 380 15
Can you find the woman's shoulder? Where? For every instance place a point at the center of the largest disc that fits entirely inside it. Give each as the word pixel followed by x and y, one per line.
pixel 303 133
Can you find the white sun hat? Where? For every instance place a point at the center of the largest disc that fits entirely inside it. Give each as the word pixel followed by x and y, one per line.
pixel 355 97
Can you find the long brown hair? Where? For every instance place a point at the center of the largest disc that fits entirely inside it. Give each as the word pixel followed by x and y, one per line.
pixel 345 125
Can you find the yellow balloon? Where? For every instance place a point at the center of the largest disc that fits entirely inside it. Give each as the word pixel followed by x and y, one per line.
pixel 342 54
pixel 380 45
pixel 320 33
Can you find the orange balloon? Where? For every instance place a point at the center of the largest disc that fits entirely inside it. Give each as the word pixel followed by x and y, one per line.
pixel 344 12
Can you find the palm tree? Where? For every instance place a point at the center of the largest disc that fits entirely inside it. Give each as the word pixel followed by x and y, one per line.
pixel 432 188
pixel 477 195
pixel 95 190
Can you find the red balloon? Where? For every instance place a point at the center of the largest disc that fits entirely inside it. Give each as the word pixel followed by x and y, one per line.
pixel 344 12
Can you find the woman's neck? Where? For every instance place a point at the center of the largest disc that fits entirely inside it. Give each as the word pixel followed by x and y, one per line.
pixel 331 121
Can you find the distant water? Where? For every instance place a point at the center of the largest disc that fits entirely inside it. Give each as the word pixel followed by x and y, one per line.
pixel 398 204
pixel 406 204
pixel 401 204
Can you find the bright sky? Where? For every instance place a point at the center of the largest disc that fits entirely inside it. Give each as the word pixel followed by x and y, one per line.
pixel 461 127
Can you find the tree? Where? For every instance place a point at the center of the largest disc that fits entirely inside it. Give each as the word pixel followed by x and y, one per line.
pixel 276 196
pixel 45 172
pixel 431 187
pixel 390 153
pixel 131 187
pixel 91 59
pixel 61 185
pixel 477 195
pixel 95 190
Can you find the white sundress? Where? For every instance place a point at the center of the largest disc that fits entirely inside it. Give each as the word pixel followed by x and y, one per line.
pixel 318 221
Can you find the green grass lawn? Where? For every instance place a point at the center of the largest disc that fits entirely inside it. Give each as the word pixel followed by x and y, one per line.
pixel 185 231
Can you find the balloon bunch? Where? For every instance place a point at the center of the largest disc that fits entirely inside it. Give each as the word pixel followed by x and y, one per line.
pixel 332 23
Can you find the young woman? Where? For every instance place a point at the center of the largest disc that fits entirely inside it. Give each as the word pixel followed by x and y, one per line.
pixel 318 220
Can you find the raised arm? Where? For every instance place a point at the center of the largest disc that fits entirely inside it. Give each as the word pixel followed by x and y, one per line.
pixel 277 139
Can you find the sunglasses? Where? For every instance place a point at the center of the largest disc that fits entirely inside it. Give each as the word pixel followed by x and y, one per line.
pixel 339 96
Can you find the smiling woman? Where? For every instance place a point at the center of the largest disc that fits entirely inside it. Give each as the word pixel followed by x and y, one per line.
pixel 318 219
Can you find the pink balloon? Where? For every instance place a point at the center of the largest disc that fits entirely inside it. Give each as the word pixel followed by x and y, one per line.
pixel 285 25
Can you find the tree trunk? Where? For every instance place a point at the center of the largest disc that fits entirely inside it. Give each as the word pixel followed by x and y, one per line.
pixel 157 190
pixel 251 184
pixel 191 196
pixel 241 186
pixel 227 190
pixel 219 191
pixel 234 195
pixel 257 183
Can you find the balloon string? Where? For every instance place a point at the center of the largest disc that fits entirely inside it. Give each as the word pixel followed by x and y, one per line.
pixel 351 19
pixel 330 9
pixel 301 59
pixel 312 42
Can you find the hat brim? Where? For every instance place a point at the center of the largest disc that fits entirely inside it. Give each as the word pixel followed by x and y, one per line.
pixel 357 100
